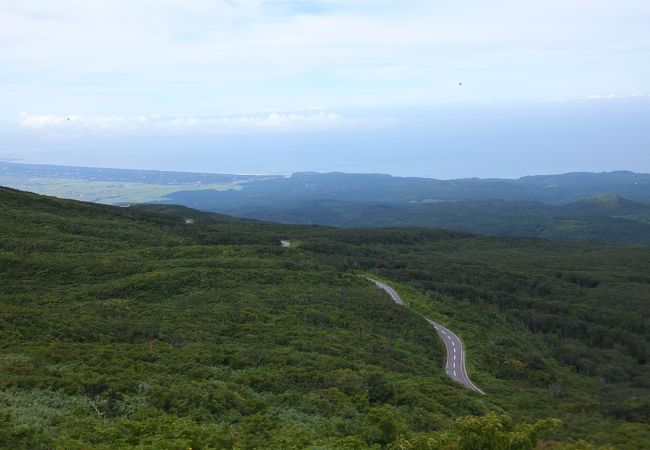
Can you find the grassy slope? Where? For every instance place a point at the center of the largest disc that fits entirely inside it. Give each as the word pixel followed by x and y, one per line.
pixel 125 327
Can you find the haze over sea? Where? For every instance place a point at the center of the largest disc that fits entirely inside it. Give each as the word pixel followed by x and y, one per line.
pixel 451 141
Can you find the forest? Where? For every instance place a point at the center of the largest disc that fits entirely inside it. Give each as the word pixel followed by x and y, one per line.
pixel 609 218
pixel 610 207
pixel 159 326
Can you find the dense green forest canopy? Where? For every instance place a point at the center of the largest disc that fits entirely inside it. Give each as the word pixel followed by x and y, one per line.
pixel 574 206
pixel 610 218
pixel 136 327
pixel 351 187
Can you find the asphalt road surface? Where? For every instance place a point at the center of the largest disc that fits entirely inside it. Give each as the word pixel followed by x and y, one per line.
pixel 455 365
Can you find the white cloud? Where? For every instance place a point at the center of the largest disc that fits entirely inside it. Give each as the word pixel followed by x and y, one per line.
pixel 598 97
pixel 265 123
pixel 613 96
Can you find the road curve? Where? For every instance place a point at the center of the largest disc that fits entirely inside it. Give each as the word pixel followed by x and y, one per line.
pixel 455 365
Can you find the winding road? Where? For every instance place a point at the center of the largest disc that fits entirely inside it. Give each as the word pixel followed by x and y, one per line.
pixel 455 366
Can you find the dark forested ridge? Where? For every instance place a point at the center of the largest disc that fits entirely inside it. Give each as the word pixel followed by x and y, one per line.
pixel 608 207
pixel 164 327
pixel 551 189
pixel 610 218
pixel 612 207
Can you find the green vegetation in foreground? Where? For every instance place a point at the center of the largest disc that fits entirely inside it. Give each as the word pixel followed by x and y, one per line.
pixel 127 327
pixel 107 192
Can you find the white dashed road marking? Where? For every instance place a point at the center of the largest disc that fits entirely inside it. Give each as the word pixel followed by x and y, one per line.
pixel 445 335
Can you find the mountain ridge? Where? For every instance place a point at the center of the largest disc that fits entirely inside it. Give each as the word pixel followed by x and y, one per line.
pixel 548 206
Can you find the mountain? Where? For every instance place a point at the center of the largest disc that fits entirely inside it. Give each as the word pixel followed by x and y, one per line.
pixel 576 186
pixel 566 207
pixel 556 189
pixel 609 205
pixel 251 190
pixel 530 206
pixel 157 326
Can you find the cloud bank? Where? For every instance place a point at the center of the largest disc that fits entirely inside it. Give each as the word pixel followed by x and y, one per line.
pixel 267 123
pixel 599 97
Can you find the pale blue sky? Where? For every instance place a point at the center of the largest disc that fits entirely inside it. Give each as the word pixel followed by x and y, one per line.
pixel 236 83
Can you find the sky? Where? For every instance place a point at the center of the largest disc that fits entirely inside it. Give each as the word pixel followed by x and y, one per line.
pixel 412 87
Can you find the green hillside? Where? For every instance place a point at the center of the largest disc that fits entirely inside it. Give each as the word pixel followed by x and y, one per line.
pixel 137 328
pixel 611 207
pixel 610 219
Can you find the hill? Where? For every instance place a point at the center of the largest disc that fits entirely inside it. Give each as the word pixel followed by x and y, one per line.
pixel 609 219
pixel 553 189
pixel 135 327
pixel 553 207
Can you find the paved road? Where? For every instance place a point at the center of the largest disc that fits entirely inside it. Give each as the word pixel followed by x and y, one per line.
pixel 455 365
pixel 393 294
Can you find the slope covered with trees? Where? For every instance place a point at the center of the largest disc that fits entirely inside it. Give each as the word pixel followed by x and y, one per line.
pixel 351 187
pixel 610 219
pixel 136 327
pixel 612 207
pixel 574 206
